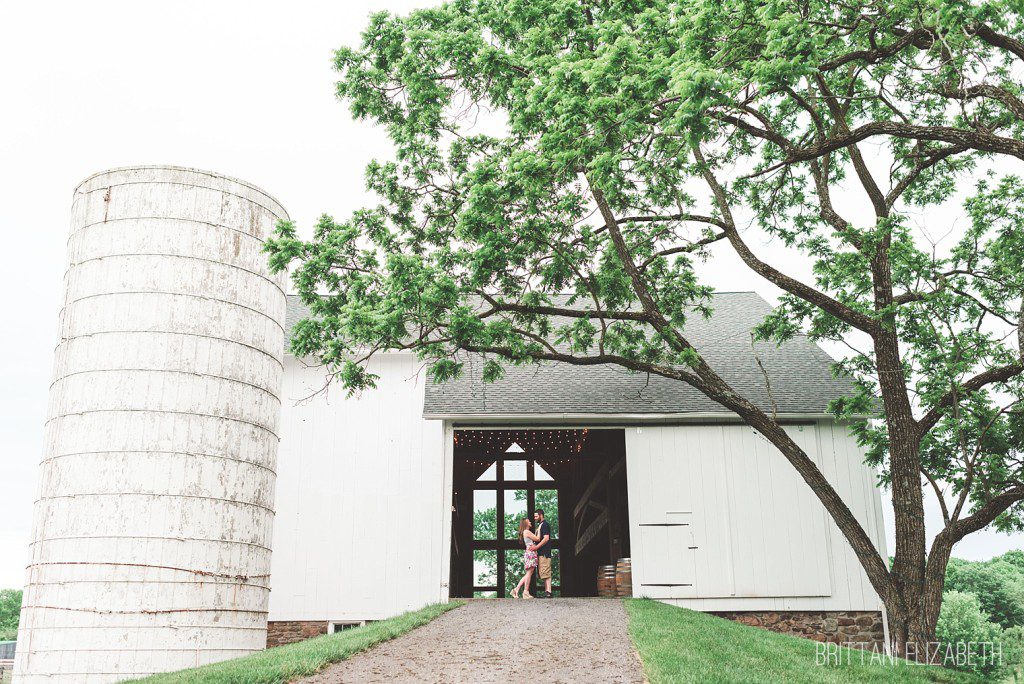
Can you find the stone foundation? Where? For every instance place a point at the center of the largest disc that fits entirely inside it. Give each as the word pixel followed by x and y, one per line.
pixel 280 633
pixel 862 629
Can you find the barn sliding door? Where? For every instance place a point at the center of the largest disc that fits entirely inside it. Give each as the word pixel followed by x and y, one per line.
pixel 717 512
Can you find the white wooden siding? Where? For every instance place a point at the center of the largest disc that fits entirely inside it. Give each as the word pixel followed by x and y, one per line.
pixel 717 516
pixel 361 530
pixel 719 520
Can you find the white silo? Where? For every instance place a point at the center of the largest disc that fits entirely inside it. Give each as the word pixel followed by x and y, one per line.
pixel 152 532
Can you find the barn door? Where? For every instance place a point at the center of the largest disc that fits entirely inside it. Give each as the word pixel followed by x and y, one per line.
pixel 716 512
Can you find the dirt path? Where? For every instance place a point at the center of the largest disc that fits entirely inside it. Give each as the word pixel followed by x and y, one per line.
pixel 581 640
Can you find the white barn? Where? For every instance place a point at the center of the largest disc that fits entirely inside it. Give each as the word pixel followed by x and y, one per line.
pixel 372 490
pixel 200 498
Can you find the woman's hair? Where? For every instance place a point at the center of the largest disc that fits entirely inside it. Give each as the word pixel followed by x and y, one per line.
pixel 524 525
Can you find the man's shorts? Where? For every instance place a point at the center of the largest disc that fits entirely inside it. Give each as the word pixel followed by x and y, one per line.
pixel 544 567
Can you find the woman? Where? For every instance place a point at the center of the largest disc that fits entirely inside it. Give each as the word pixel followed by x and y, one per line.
pixel 527 538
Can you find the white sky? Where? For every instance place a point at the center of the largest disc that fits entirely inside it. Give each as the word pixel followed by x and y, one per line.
pixel 240 88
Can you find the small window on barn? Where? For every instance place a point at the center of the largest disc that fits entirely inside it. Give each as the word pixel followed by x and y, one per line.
pixel 346 624
pixel 515 470
pixel 515 510
pixel 540 474
pixel 491 474
pixel 485 514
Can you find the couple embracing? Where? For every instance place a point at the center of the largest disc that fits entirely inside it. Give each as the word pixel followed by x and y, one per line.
pixel 537 555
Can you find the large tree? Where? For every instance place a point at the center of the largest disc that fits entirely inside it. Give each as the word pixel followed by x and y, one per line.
pixel 605 149
pixel 10 612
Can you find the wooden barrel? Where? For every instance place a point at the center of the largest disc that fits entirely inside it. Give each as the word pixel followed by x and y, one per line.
pixel 624 577
pixel 606 581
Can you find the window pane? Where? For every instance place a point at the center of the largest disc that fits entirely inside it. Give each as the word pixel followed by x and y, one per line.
pixel 485 567
pixel 342 626
pixel 556 572
pixel 548 500
pixel 515 510
pixel 485 514
pixel 485 594
pixel 540 474
pixel 515 470
pixel 491 474
pixel 514 570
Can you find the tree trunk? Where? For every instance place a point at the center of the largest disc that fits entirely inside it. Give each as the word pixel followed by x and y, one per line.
pixel 913 614
pixel 904 598
pixel 935 580
pixel 907 577
pixel 902 588
pixel 908 637
pixel 899 625
pixel 907 606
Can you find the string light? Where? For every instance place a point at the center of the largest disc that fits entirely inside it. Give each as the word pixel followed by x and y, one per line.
pixel 498 441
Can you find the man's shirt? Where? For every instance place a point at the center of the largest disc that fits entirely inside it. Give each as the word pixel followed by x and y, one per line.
pixel 545 529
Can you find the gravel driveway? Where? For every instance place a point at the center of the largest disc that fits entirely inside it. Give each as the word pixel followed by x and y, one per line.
pixel 582 640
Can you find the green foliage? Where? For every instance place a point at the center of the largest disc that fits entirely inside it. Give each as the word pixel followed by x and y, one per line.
pixel 998 586
pixel 771 77
pixel 10 613
pixel 1013 653
pixel 562 170
pixel 1014 558
pixel 288 663
pixel 962 621
pixel 985 601
pixel 512 122
pixel 680 645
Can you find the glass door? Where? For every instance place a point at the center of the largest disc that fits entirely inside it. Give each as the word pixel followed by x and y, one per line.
pixel 504 494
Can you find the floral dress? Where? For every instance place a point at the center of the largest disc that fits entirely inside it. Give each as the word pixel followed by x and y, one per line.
pixel 529 557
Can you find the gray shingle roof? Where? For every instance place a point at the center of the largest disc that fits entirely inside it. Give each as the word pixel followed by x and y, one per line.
pixel 799 371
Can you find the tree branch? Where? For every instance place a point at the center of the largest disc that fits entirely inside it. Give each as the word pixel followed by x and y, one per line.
pixel 992 375
pixel 595 360
pixel 997 374
pixel 987 91
pixel 682 249
pixel 497 306
pixel 978 140
pixel 995 39
pixel 867 181
pixel 697 218
pixel 770 273
pixel 885 51
pixel 933 158
pixel 753 130
pixel 984 516
pixel 715 388
pixel 939 496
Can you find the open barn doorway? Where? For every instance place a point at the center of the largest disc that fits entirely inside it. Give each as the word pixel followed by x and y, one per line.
pixel 578 476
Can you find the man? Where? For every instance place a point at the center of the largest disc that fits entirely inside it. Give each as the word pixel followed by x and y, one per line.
pixel 543 549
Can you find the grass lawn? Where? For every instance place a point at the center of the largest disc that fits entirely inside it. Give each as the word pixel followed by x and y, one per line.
pixel 680 645
pixel 285 663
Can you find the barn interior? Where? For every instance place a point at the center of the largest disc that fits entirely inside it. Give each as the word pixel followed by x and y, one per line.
pixel 578 476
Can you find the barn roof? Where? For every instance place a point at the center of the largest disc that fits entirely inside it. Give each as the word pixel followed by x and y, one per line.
pixel 799 373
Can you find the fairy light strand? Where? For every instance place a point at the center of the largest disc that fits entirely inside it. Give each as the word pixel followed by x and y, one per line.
pixel 498 442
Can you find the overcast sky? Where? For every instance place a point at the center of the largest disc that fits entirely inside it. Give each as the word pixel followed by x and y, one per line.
pixel 240 88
